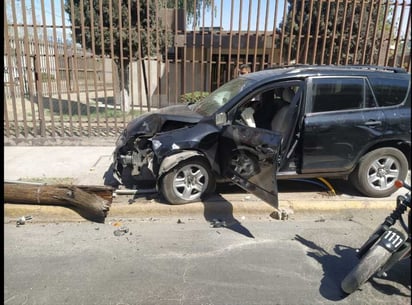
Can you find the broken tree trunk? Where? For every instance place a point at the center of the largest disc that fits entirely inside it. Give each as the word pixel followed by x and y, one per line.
pixel 88 205
pixel 106 192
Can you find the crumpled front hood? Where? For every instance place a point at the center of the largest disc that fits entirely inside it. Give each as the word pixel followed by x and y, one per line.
pixel 150 123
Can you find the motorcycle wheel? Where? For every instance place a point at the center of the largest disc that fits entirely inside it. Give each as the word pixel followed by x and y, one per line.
pixel 373 260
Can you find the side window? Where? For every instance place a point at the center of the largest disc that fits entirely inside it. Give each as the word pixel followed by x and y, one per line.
pixel 267 110
pixel 334 94
pixel 389 92
pixel 369 99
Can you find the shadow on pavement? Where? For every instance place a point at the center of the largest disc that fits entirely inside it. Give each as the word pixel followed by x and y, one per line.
pixel 335 267
pixel 298 186
pixel 217 210
pixel 338 264
pixel 396 274
pixel 222 216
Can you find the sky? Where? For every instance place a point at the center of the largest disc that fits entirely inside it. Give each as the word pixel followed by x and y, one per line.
pixel 222 14
pixel 38 4
pixel 268 6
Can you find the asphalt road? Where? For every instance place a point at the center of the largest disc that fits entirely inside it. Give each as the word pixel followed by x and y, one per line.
pixel 192 260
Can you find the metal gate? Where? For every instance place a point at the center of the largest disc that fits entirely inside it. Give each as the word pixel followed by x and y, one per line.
pixel 81 69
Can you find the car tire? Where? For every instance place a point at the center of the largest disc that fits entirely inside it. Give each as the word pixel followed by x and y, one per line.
pixel 378 170
pixel 189 181
pixel 244 163
pixel 365 269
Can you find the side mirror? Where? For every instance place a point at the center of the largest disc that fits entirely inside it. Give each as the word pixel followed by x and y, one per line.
pixel 221 118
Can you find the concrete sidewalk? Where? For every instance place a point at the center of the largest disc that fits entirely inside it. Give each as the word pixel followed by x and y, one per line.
pixel 89 165
pixel 80 164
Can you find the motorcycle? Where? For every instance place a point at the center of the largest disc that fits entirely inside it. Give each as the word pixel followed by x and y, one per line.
pixel 385 247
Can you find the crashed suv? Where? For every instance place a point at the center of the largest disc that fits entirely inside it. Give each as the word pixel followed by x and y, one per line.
pixel 349 122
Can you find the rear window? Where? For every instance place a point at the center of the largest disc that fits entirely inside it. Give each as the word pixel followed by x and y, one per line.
pixel 335 94
pixel 389 92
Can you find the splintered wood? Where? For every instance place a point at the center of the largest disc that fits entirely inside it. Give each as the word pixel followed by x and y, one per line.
pixel 91 202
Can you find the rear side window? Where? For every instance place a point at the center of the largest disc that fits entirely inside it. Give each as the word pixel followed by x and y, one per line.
pixel 334 94
pixel 389 92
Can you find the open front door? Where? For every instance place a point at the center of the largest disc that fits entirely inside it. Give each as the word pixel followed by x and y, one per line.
pixel 249 157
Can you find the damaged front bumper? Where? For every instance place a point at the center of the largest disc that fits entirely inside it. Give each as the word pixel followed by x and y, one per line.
pixel 133 158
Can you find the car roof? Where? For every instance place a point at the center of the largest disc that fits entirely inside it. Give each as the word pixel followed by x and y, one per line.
pixel 302 71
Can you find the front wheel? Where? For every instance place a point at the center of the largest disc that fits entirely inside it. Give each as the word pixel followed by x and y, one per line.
pixel 187 182
pixel 373 260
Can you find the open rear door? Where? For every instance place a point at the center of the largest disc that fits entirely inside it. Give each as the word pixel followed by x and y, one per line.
pixel 249 157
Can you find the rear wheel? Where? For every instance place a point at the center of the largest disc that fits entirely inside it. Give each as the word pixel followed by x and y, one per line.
pixel 188 181
pixel 378 170
pixel 367 267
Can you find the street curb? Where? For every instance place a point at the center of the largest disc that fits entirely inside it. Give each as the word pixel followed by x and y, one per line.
pixel 234 204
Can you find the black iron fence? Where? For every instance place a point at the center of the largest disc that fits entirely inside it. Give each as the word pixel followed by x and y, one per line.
pixel 77 69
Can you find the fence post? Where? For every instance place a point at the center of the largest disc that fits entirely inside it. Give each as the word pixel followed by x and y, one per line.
pixel 39 95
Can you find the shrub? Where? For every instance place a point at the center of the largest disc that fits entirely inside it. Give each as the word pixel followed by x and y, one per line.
pixel 45 77
pixel 192 97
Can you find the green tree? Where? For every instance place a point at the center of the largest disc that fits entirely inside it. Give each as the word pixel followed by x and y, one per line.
pixel 348 31
pixel 193 8
pixel 111 28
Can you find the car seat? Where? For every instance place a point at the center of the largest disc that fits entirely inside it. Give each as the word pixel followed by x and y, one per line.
pixel 279 119
pixel 266 110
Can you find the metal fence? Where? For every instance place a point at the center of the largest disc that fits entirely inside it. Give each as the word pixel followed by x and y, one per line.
pixel 81 69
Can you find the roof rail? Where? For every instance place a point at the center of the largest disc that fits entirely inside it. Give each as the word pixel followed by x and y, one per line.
pixel 380 68
pixel 289 66
pixel 366 67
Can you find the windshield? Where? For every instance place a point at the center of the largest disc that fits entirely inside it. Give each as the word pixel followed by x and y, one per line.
pixel 220 96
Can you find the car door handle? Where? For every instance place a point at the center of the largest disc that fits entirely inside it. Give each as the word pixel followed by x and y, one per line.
pixel 373 123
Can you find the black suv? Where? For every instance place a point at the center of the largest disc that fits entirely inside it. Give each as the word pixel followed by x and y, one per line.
pixel 282 123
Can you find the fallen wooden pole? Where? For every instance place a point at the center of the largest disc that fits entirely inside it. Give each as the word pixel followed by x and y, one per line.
pixel 87 204
pixel 104 191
